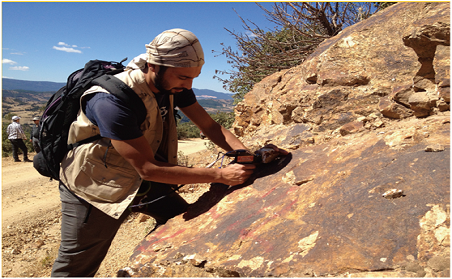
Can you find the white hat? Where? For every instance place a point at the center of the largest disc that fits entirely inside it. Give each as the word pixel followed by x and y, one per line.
pixel 36 118
pixel 15 117
pixel 175 48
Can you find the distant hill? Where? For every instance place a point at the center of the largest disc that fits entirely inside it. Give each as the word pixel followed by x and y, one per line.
pixel 37 86
pixel 210 94
pixel 47 86
pixel 27 98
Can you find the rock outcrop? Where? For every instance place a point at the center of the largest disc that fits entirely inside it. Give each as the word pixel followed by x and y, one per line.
pixel 391 66
pixel 365 190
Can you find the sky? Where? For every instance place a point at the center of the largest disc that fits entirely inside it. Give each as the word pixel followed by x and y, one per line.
pixel 47 41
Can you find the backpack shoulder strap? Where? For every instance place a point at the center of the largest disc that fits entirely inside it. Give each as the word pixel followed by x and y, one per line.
pixel 121 90
pixel 87 140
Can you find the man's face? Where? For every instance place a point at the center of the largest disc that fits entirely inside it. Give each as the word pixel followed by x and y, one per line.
pixel 36 122
pixel 174 80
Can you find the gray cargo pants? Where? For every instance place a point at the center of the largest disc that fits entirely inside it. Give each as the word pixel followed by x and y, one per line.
pixel 86 236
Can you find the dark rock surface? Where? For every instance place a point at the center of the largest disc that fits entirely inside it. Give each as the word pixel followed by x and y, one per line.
pixel 319 211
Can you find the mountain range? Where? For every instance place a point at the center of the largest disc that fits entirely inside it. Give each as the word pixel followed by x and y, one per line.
pixel 48 86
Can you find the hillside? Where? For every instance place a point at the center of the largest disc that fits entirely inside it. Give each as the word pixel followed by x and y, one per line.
pixel 37 86
pixel 27 98
pixel 47 86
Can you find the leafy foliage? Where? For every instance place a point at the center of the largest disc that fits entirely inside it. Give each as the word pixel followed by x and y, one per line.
pixel 189 130
pixel 7 148
pixel 300 28
pixel 225 119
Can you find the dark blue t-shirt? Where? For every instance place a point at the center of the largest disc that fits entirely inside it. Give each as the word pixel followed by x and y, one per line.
pixel 119 122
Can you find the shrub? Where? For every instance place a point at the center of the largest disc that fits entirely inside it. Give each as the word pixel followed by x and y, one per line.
pixel 187 130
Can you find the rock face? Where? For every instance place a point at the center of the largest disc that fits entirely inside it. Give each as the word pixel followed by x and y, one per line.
pixel 365 190
pixel 391 66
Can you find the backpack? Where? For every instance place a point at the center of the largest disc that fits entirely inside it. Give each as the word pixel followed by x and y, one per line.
pixel 63 107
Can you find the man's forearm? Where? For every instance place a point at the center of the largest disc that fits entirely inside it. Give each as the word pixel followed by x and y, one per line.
pixel 172 174
pixel 139 154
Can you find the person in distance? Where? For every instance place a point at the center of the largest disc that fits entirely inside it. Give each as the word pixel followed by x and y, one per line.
pixel 17 136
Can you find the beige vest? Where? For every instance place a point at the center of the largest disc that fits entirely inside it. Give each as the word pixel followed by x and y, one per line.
pixel 95 171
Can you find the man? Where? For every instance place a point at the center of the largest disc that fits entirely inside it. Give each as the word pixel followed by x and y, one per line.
pixel 17 136
pixel 99 180
pixel 35 135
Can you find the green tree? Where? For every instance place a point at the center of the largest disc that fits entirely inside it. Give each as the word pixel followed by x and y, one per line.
pixel 8 116
pixel 300 28
pixel 190 130
pixel 6 144
pixel 187 130
pixel 225 119
pixel 383 5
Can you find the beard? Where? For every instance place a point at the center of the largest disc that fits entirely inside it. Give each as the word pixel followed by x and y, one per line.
pixel 160 82
pixel 162 85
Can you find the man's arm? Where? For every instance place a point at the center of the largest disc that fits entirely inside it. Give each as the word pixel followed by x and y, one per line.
pixel 214 131
pixel 22 133
pixel 139 154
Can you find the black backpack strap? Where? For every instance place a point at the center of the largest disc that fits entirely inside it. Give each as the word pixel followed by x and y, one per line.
pixel 121 90
pixel 90 139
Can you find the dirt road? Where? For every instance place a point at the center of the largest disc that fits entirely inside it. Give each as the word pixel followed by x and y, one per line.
pixel 190 146
pixel 31 222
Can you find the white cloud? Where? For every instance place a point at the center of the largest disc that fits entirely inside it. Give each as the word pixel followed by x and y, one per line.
pixel 66 45
pixel 16 52
pixel 19 68
pixel 15 68
pixel 8 61
pixel 67 49
pixel 251 34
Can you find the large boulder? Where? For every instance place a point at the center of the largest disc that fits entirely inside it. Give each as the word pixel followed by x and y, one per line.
pixel 365 189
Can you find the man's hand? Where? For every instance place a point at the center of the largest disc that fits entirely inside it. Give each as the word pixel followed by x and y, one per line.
pixel 236 174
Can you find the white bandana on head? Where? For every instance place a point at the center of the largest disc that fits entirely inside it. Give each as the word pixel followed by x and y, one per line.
pixel 175 48
pixel 138 62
